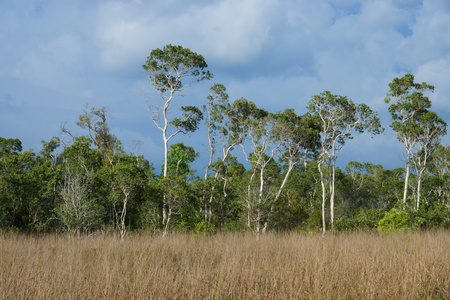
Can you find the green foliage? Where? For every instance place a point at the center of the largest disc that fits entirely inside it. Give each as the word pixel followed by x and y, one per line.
pixel 363 219
pixel 167 65
pixel 190 120
pixel 314 222
pixel 9 146
pixel 431 217
pixel 289 214
pixel 179 159
pixel 394 220
pixel 409 101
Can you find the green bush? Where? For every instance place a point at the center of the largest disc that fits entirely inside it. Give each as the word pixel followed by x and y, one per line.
pixel 315 220
pixel 364 219
pixel 431 217
pixel 394 221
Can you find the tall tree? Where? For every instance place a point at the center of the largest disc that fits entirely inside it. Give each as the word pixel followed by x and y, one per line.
pixel 430 130
pixel 264 144
pixel 171 70
pixel 339 117
pixel 215 110
pixel 298 136
pixel 232 130
pixel 408 102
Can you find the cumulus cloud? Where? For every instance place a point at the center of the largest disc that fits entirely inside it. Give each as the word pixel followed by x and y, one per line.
pixel 430 38
pixel 231 30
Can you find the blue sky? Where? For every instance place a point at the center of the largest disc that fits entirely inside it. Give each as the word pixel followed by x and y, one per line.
pixel 55 56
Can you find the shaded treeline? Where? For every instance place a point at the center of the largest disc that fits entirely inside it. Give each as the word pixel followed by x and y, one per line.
pixel 94 185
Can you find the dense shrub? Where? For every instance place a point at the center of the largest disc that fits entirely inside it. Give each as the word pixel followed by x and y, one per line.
pixel 431 217
pixel 394 220
pixel 364 219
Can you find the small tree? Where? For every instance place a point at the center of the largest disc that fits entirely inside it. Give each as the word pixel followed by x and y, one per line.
pixel 78 211
pixel 128 176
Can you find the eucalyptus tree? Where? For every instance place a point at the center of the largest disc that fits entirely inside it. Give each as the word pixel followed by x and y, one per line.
pixel 238 117
pixel 129 177
pixel 339 117
pixel 440 168
pixel 298 137
pixel 408 102
pixel 430 130
pixel 231 123
pixel 171 70
pixel 215 110
pixel 264 142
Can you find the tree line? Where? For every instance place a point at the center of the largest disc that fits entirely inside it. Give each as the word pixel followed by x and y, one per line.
pixel 82 184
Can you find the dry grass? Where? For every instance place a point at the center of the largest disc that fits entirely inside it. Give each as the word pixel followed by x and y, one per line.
pixel 294 266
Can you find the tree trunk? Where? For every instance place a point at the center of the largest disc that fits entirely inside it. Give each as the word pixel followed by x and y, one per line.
pixel 332 191
pixel 166 226
pixel 419 180
pixel 405 188
pixel 259 211
pixel 258 223
pixel 166 150
pixel 323 198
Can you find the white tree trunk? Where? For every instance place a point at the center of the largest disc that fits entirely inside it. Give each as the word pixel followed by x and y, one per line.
pixel 123 215
pixel 332 190
pixel 405 188
pixel 322 183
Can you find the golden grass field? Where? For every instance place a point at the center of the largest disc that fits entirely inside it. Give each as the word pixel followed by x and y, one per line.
pixel 229 266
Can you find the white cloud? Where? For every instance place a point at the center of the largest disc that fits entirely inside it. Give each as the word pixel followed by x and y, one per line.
pixel 233 30
pixel 430 37
pixel 230 30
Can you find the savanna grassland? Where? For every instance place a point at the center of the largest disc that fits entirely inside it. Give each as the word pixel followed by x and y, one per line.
pixel 231 266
